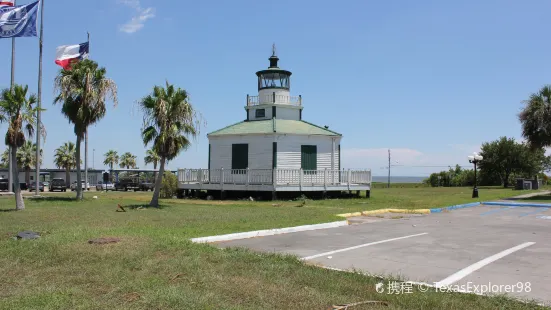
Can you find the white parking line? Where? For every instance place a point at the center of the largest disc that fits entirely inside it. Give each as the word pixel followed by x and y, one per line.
pixel 474 267
pixel 360 246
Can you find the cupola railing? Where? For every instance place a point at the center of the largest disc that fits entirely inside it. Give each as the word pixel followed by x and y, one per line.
pixel 274 99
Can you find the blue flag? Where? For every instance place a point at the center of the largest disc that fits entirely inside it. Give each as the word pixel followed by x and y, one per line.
pixel 18 21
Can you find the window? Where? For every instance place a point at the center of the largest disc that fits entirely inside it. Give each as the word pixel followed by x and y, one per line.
pixel 309 157
pixel 260 113
pixel 239 156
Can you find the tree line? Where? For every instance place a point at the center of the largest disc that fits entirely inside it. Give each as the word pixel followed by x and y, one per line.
pixel 504 161
pixel 170 121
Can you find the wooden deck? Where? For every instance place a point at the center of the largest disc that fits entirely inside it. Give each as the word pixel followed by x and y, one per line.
pixel 274 180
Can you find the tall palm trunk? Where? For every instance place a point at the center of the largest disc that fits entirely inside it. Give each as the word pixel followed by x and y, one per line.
pixel 68 176
pixel 111 173
pixel 79 174
pixel 28 175
pixel 158 181
pixel 155 172
pixel 19 203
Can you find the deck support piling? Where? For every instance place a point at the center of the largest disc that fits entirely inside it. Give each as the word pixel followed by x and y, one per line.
pixel 367 194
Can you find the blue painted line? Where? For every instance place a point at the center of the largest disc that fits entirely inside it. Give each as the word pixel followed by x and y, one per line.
pixel 497 210
pixel 516 204
pixel 438 210
pixel 535 212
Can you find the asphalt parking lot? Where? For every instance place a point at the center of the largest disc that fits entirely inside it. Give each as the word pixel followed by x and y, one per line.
pixel 461 249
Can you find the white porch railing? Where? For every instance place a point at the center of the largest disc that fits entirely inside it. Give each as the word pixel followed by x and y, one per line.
pixel 276 177
pixel 277 99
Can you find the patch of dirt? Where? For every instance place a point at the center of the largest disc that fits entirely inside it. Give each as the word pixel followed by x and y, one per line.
pixel 105 240
pixel 131 297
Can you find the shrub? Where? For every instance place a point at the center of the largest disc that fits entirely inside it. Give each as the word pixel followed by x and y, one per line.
pixel 169 185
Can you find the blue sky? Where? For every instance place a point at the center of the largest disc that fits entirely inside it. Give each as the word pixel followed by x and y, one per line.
pixel 431 80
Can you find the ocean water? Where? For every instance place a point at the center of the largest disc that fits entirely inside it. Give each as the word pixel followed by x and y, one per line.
pixel 398 179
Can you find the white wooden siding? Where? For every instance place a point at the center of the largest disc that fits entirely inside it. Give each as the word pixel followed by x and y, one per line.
pixel 287 113
pixel 260 151
pixel 289 151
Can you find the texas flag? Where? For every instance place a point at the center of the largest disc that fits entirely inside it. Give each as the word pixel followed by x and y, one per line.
pixel 68 54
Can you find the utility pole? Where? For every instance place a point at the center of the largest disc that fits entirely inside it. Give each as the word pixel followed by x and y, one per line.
pixel 388 185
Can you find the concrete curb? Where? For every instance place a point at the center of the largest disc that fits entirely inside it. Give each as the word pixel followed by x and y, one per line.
pixel 467 205
pixel 267 232
pixel 516 204
pixel 380 211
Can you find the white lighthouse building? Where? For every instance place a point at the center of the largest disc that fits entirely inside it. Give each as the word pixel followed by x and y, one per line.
pixel 274 149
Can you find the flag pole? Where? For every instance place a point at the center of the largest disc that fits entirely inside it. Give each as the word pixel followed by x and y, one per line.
pixel 12 83
pixel 39 101
pixel 86 141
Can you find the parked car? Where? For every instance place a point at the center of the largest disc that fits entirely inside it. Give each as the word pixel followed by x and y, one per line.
pixel 32 186
pixel 105 186
pixel 83 186
pixel 58 185
pixel 4 185
pixel 146 186
pixel 126 184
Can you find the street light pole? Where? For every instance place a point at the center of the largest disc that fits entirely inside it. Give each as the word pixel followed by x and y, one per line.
pixel 474 159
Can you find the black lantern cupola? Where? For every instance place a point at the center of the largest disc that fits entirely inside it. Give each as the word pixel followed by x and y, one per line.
pixel 274 77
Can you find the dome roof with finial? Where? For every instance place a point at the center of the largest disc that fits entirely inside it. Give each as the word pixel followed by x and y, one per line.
pixel 273 64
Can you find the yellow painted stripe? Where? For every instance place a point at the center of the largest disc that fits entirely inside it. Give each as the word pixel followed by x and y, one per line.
pixel 381 211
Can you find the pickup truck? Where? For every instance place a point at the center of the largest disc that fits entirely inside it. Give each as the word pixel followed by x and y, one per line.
pixel 147 186
pixel 126 184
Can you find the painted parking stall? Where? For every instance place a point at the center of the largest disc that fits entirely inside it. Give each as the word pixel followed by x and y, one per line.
pixel 477 246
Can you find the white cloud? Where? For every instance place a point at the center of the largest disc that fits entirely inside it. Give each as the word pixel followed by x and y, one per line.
pixel 138 20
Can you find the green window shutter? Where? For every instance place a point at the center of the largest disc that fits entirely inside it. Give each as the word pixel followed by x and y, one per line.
pixel 309 157
pixel 273 112
pixel 274 155
pixel 339 157
pixel 240 156
pixel 209 156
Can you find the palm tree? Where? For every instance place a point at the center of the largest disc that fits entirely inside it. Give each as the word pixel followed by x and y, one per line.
pixel 26 158
pixel 128 161
pixel 111 159
pixel 20 112
pixel 65 158
pixel 169 119
pixel 83 91
pixel 536 118
pixel 151 157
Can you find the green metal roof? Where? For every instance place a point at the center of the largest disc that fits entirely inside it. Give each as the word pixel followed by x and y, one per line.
pixel 281 126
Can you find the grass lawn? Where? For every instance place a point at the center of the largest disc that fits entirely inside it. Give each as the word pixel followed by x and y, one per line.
pixel 154 266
